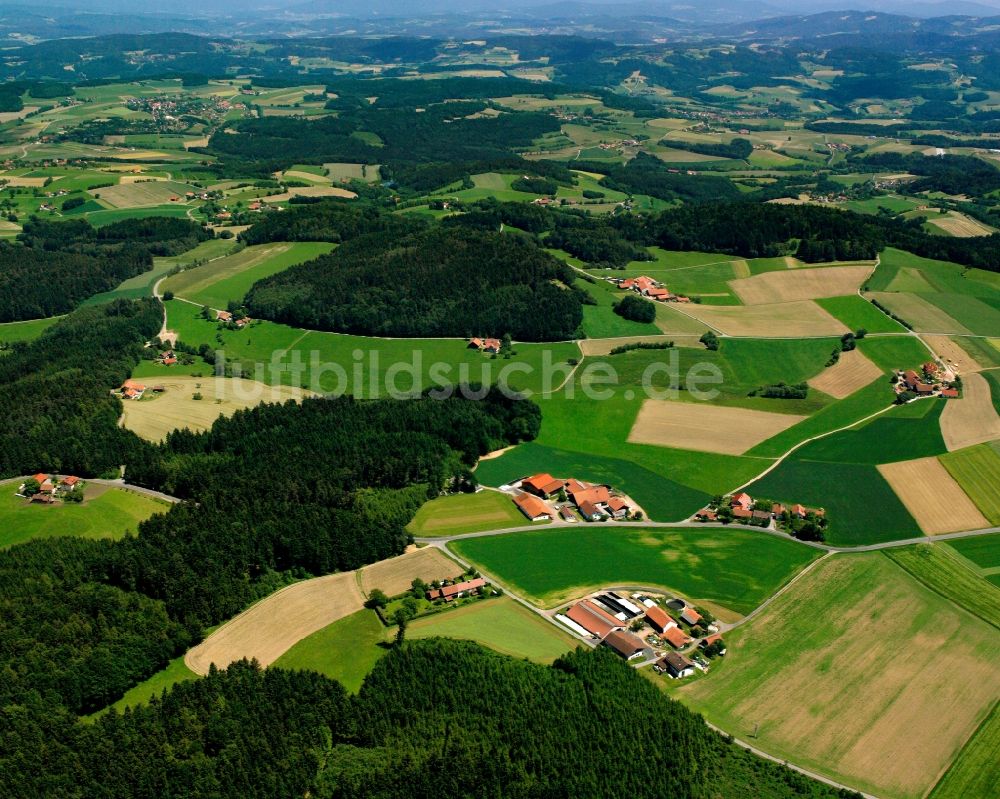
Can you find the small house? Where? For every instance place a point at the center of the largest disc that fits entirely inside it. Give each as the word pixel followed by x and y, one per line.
pixel 706 515
pixel 676 665
pixel 741 500
pixel 595 495
pixel 70 482
pixel 591 512
pixel 566 512
pixel 618 508
pixel 223 316
pixel 949 393
pixel 456 590
pixel 676 637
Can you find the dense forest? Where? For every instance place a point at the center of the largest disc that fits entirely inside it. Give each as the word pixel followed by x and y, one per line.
pixel 435 718
pixel 57 265
pixel 331 220
pixel 442 282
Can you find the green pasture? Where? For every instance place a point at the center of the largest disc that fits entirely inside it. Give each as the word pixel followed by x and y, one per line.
pixel 977 470
pixel 734 569
pixel 25 331
pixel 857 313
pixel 465 513
pixel 153 687
pixel 104 513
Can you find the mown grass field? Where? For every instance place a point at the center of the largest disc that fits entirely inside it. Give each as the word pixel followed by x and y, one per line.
pixel 230 278
pixel 25 331
pixel 857 313
pixel 465 513
pixel 501 624
pixel 860 505
pixel 105 513
pixel 331 362
pixel 977 470
pixel 983 553
pixel 732 569
pixel 344 651
pixel 852 673
pixel 976 772
pixel 942 570
pixel 165 679
pixel 662 499
pixel 887 438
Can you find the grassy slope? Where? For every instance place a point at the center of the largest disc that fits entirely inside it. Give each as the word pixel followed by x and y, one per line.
pixel 465 513
pixel 939 569
pixel 501 624
pixel 977 470
pixel 230 278
pixel 108 513
pixel 25 331
pixel 733 568
pixel 344 651
pixel 860 505
pixel 976 772
pixel 800 642
pixel 175 672
pixel 856 313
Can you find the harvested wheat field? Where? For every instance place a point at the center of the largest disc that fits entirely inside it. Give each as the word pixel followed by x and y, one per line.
pixel 395 575
pixel 953 353
pixel 270 628
pixel 149 191
pixel 706 428
pixel 802 284
pixel 932 496
pixel 780 320
pixel 157 414
pixel 955 224
pixel 23 183
pixel 309 191
pixel 971 419
pixel 847 375
pixel 925 317
pixel 858 672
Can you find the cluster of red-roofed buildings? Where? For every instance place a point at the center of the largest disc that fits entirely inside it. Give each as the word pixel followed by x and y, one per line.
pixel 642 628
pixel 49 486
pixel 134 390
pixel 743 508
pixel 649 288
pixel 932 380
pixel 544 497
pixel 488 345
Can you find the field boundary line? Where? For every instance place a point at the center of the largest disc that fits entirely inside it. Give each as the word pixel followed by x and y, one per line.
pixel 982 725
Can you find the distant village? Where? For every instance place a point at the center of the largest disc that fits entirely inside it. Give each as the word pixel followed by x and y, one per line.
pixel 543 497
pixel 677 638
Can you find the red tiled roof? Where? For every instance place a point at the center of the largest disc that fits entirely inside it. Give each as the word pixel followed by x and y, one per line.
pixel 542 483
pixel 743 499
pixel 659 618
pixel 742 513
pixel 949 393
pixel 690 615
pixel 39 478
pixel 449 591
pixel 531 506
pixel 70 480
pixel 676 637
pixel 595 495
pixel 134 384
pixel 589 509
pixel 624 643
pixel 617 504
pixel 592 618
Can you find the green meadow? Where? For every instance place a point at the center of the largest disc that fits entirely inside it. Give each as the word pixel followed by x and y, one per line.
pixel 976 772
pixel 734 569
pixel 105 513
pixel 229 278
pixel 977 470
pixel 153 687
pixel 465 513
pixel 25 331
pixel 860 505
pixel 857 313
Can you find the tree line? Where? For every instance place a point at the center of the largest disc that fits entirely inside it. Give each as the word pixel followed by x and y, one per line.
pixel 54 266
pixel 434 718
pixel 444 281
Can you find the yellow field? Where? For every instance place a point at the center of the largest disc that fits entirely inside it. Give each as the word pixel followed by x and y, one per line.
pixel 706 428
pixel 802 284
pixel 308 177
pixel 851 372
pixel 309 191
pixel 971 419
pixel 804 318
pixel 953 353
pixel 149 192
pixel 395 575
pixel 924 317
pixel 270 628
pixel 932 496
pixel 956 224
pixel 176 407
pixel 858 672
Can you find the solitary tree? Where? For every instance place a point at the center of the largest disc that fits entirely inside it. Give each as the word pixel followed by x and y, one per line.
pixel 377 598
